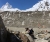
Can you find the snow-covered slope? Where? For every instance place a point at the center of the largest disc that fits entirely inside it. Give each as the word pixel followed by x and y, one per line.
pixel 43 5
pixel 8 7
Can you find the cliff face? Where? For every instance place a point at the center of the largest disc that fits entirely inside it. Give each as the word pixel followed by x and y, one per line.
pixel 26 19
pixel 3 31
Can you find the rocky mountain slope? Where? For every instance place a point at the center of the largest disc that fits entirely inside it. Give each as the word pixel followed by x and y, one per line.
pixel 26 19
pixel 37 16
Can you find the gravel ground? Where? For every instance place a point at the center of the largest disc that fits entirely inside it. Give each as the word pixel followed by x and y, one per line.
pixel 36 31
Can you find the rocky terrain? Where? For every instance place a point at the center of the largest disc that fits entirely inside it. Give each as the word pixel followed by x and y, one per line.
pixel 37 16
pixel 26 19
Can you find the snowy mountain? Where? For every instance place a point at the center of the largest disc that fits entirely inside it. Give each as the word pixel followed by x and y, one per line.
pixel 43 5
pixel 8 7
pixel 27 18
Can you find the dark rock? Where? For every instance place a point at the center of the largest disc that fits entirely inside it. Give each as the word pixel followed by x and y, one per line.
pixel 3 32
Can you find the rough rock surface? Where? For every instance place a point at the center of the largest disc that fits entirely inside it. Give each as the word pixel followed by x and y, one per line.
pixel 40 19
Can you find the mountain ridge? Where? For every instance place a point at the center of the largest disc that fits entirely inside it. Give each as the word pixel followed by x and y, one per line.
pixel 43 5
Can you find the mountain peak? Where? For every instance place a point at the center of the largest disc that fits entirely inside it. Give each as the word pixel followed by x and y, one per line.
pixel 6 6
pixel 7 3
pixel 43 5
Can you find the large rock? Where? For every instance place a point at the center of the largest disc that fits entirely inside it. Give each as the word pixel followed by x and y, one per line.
pixel 3 32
